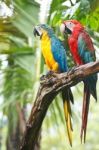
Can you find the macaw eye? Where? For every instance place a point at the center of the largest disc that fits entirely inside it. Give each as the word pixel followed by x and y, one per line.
pixel 70 24
pixel 39 28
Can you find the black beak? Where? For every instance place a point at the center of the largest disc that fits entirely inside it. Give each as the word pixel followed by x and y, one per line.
pixel 37 31
pixel 67 30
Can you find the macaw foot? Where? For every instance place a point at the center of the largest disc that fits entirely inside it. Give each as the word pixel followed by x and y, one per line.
pixel 42 77
pixel 49 78
pixel 71 70
pixel 49 73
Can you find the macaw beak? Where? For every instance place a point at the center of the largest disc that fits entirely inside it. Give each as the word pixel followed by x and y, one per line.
pixel 67 30
pixel 64 29
pixel 37 31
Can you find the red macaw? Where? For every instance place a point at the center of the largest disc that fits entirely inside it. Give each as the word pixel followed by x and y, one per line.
pixel 82 50
pixel 56 60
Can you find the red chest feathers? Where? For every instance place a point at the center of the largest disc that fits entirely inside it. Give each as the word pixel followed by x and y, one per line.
pixel 74 50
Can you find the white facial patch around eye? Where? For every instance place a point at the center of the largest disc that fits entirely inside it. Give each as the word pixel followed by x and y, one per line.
pixel 62 28
pixel 70 25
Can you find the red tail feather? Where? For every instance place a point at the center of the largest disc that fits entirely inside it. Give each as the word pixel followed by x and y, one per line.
pixel 85 110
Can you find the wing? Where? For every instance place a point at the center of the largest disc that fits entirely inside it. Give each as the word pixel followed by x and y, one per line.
pixel 87 54
pixel 85 48
pixel 59 54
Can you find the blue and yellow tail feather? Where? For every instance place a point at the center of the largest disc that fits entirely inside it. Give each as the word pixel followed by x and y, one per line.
pixel 67 112
pixel 67 97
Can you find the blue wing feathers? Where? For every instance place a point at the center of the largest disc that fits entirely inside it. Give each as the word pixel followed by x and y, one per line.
pixel 59 53
pixel 87 55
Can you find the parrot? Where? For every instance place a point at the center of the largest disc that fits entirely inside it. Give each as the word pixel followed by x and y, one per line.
pixel 83 52
pixel 56 60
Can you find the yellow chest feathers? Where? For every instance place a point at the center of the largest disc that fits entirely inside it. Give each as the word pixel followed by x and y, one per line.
pixel 47 53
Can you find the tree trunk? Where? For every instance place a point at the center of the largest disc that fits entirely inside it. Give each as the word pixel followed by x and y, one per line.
pixel 15 133
pixel 50 86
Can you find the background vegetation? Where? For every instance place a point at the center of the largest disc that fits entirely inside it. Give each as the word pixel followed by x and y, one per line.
pixel 21 65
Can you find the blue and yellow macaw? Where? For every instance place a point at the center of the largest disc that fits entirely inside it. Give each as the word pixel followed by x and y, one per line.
pixel 55 57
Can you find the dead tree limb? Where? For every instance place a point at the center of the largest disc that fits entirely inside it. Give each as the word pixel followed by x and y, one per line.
pixel 50 86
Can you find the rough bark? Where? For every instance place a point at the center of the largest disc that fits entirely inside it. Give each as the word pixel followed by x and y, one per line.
pixel 50 86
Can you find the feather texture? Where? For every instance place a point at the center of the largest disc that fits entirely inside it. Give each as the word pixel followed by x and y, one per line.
pixel 55 58
pixel 83 52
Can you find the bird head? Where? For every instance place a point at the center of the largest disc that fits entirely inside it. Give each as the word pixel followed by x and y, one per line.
pixel 42 29
pixel 69 26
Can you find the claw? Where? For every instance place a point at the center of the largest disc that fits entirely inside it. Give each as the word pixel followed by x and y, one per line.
pixel 49 73
pixel 52 73
pixel 42 77
pixel 72 70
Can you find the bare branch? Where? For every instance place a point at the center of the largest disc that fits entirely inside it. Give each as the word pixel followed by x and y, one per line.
pixel 50 86
pixel 71 3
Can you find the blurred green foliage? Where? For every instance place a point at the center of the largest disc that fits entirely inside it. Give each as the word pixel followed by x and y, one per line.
pixel 21 65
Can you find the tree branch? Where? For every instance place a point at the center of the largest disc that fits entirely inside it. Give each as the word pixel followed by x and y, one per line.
pixel 50 86
pixel 71 3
